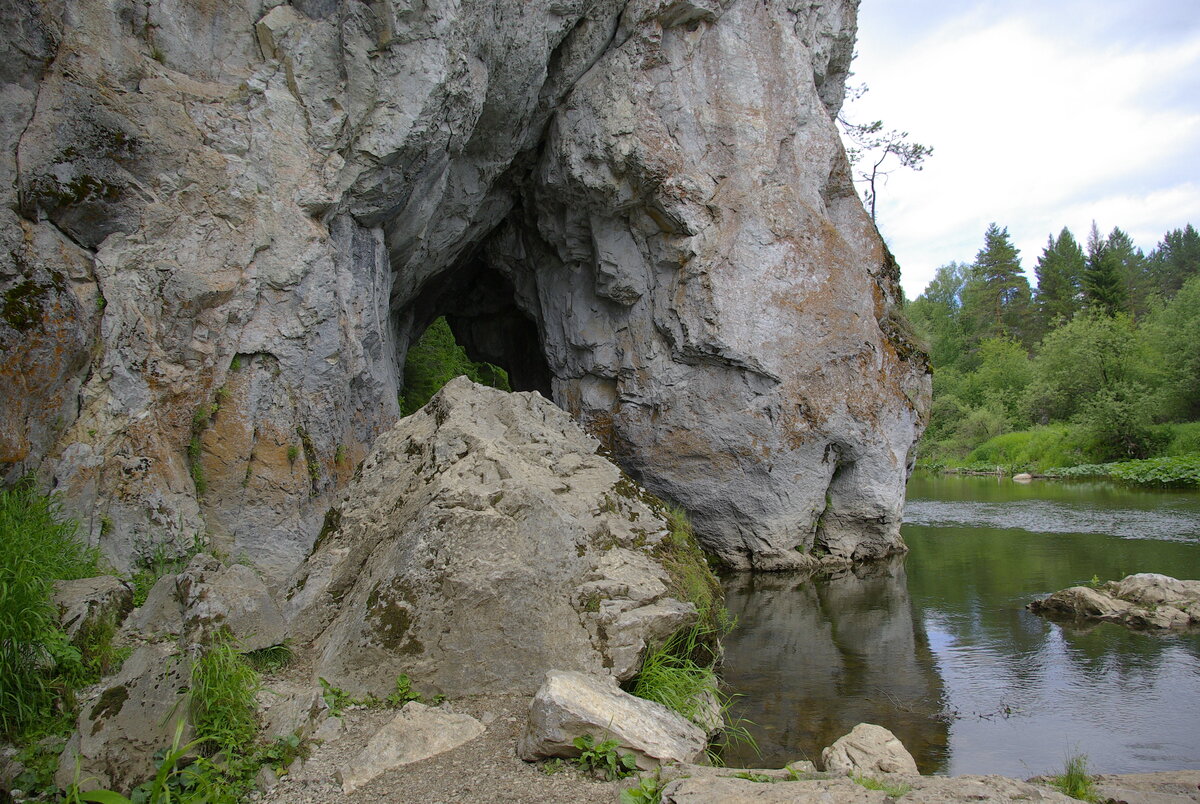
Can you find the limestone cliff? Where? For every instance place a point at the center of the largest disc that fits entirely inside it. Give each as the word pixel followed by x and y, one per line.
pixel 223 223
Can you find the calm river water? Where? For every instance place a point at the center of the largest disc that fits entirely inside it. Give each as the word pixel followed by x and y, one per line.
pixel 939 648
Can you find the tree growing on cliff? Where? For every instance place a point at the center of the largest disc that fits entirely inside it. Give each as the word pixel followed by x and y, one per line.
pixel 875 153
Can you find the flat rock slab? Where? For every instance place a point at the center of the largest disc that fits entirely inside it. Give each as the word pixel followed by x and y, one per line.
pixel 417 732
pixel 922 789
pixel 1168 787
pixel 571 704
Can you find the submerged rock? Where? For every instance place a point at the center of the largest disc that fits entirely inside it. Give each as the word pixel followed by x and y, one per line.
pixel 570 705
pixel 485 542
pixel 1144 600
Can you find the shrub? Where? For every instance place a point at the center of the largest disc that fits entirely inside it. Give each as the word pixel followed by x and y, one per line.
pixel 38 665
pixel 434 360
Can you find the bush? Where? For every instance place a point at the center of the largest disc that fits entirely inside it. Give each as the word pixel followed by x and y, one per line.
pixel 38 666
pixel 1182 439
pixel 434 360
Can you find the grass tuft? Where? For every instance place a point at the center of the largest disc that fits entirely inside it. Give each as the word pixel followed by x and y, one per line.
pixel 1075 780
pixel 38 665
pixel 223 704
pixel 893 790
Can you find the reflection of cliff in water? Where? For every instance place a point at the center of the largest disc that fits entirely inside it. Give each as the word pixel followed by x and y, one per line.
pixel 814 656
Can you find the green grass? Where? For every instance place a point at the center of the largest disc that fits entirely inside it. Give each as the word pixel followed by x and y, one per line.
pixel 223 705
pixel 271 659
pixel 669 675
pixel 39 668
pixel 1075 780
pixel 893 790
pixel 692 579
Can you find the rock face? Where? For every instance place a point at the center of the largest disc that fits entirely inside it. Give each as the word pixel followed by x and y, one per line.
pixel 484 543
pixel 224 223
pixel 1144 600
pixel 570 705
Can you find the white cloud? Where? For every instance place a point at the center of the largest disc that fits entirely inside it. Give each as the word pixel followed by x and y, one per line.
pixel 1032 130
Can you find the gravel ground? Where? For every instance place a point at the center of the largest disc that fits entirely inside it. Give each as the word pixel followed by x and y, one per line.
pixel 485 770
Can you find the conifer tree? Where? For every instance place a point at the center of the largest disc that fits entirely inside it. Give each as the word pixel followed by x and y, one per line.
pixel 1130 264
pixel 996 299
pixel 1059 274
pixel 1103 289
pixel 1175 260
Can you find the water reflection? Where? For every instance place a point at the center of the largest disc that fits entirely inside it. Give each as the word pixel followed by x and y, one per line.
pixel 940 648
pixel 852 638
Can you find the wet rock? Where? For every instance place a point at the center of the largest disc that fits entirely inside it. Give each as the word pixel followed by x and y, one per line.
pixel 416 733
pixel 1144 600
pixel 571 705
pixel 484 542
pixel 868 749
pixel 134 715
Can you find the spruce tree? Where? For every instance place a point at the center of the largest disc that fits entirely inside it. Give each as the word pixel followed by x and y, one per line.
pixel 1175 260
pixel 996 299
pixel 1103 288
pixel 1130 265
pixel 1059 273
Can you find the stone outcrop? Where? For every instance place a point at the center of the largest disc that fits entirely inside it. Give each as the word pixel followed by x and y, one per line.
pixel 1144 600
pixel 868 749
pixel 917 790
pixel 223 224
pixel 484 543
pixel 570 705
pixel 88 604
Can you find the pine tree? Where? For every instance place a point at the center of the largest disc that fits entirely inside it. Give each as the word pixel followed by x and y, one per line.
pixel 1059 273
pixel 1130 265
pixel 1103 289
pixel 1175 260
pixel 996 299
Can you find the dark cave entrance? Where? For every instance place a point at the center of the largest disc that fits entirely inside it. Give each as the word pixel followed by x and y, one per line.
pixel 480 305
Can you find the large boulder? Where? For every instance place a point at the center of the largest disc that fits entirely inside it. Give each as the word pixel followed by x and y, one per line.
pixel 868 749
pixel 223 226
pixel 571 705
pixel 90 605
pixel 484 542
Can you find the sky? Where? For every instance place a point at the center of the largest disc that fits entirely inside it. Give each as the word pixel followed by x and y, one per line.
pixel 1041 113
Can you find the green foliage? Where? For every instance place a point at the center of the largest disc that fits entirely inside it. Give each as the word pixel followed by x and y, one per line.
pixel 996 297
pixel 892 789
pixel 1075 780
pixel 338 699
pixel 38 665
pixel 671 676
pixel 1060 276
pixel 692 579
pixel 159 562
pixel 434 360
pixel 223 689
pixel 602 759
pixel 1178 470
pixel 648 790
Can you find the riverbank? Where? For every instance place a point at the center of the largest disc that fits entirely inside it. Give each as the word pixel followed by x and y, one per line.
pixel 1176 471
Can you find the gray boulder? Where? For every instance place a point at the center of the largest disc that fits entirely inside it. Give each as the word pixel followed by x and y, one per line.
pixel 484 542
pixel 135 714
pixel 570 705
pixel 208 596
pixel 89 603
pixel 868 749
pixel 1144 600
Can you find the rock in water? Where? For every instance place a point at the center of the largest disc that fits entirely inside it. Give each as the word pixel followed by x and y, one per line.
pixel 485 542
pixel 223 227
pixel 868 749
pixel 1143 600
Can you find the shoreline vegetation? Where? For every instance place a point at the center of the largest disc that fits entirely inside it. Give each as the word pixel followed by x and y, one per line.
pixel 1092 373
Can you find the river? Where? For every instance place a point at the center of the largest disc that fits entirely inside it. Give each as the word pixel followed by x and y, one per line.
pixel 938 646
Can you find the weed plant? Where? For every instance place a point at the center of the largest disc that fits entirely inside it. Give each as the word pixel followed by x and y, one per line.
pixel 38 665
pixel 602 759
pixel 648 790
pixel 1075 780
pixel 270 659
pixel 893 790
pixel 223 689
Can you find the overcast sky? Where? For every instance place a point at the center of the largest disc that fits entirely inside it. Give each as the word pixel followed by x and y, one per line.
pixel 1042 114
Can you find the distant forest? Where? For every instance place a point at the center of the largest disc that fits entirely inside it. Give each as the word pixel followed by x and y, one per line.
pixel 1099 362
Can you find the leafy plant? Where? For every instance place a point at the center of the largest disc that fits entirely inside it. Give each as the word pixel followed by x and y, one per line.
pixel 1075 780
pixel 601 758
pixel 648 790
pixel 38 665
pixel 894 790
pixel 403 693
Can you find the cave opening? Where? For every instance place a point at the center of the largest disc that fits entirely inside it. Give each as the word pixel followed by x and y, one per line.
pixel 480 305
